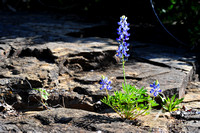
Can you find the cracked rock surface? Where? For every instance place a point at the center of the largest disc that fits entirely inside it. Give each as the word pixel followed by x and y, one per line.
pixel 39 51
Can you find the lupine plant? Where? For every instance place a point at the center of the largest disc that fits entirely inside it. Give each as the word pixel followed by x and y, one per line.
pixel 167 103
pixel 130 102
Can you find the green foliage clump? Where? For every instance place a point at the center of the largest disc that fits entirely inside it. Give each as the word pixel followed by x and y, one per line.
pixel 130 102
pixel 171 104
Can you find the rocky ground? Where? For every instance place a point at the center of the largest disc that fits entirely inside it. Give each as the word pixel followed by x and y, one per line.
pixel 64 55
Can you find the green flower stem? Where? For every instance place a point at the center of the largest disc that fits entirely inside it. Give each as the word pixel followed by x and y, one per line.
pixel 123 64
pixel 44 104
pixel 107 93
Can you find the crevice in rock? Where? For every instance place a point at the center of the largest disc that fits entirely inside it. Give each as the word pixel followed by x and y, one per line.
pixel 88 61
pixel 85 125
pixel 42 55
pixel 84 81
pixel 152 62
pixel 62 120
pixel 23 85
pixel 80 90
pixel 11 52
pixel 43 120
pixel 129 77
pixel 191 101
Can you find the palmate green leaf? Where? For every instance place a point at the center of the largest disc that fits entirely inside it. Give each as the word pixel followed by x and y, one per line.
pixel 177 101
pixel 140 100
pixel 106 100
pixel 44 94
pixel 173 98
pixel 141 106
pixel 45 97
pixel 168 100
pixel 153 104
pixel 165 107
pixel 142 91
pixel 163 99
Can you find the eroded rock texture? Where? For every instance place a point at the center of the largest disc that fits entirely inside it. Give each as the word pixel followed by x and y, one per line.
pixel 42 53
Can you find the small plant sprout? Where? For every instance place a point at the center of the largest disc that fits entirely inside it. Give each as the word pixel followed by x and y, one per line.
pixel 171 104
pixel 44 95
pixel 130 102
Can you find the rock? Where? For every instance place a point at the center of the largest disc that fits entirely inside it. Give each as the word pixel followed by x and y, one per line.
pixel 87 120
pixel 189 97
pixel 192 98
pixel 39 51
pixel 57 61
pixel 38 73
pixel 178 61
pixel 66 120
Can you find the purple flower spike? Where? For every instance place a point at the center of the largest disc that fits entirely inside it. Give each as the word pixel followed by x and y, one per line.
pixel 105 83
pixel 155 88
pixel 123 36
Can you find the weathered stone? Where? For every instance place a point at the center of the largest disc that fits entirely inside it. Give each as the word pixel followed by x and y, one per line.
pixel 171 80
pixel 66 120
pixel 39 52
pixel 189 97
pixel 169 57
pixel 32 70
pixel 192 96
pixel 86 120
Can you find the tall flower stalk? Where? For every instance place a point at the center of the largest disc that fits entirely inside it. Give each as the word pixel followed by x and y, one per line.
pixel 123 45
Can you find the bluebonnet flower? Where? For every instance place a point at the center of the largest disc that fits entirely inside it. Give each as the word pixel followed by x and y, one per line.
pixel 105 83
pixel 123 36
pixel 155 88
pixel 123 29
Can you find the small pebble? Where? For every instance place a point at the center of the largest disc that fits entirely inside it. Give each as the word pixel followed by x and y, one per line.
pixel 99 102
pixel 178 112
pixel 4 116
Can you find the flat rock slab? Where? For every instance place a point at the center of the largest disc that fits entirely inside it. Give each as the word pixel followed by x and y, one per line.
pixel 140 74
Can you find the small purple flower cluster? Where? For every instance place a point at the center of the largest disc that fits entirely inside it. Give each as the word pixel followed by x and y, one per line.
pixel 155 88
pixel 123 36
pixel 105 83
